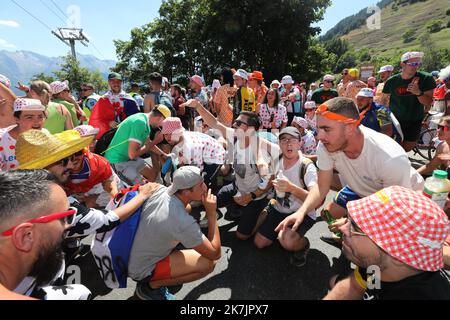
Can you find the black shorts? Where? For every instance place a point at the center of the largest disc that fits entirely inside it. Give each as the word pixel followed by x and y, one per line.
pixel 250 213
pixel 274 218
pixel 411 130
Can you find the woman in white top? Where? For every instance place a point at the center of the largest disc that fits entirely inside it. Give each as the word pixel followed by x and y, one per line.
pixel 272 114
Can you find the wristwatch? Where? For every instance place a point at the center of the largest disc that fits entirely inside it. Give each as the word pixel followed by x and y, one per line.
pixel 253 196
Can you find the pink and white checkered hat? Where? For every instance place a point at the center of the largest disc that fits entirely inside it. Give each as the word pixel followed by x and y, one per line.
pixel 405 224
pixel 5 81
pixel 171 125
pixel 198 80
pixel 310 105
pixel 21 104
pixel 59 86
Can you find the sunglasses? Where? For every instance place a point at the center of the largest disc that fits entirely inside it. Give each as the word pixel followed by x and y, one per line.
pixel 65 162
pixel 414 64
pixel 239 123
pixel 445 128
pixel 344 74
pixel 353 227
pixel 84 90
pixel 66 217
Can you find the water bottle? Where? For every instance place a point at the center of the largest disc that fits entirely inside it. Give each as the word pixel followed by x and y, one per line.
pixel 280 194
pixel 437 188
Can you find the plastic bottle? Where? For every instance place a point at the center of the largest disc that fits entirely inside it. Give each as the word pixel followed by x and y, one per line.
pixel 437 188
pixel 280 194
pixel 331 220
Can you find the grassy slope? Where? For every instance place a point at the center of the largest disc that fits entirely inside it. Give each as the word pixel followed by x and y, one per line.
pixel 388 40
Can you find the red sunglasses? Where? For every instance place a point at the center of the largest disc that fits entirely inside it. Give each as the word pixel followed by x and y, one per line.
pixel 445 128
pixel 67 217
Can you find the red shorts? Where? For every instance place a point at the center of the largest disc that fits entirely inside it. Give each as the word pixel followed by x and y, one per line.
pixel 162 270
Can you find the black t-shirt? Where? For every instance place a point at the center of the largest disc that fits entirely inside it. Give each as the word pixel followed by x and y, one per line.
pixel 424 286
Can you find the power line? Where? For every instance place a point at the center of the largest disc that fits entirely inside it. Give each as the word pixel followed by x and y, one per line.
pixel 53 11
pixel 57 7
pixel 33 16
pixel 95 47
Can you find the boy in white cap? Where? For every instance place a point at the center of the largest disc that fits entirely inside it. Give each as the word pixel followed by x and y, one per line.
pixel 385 73
pixel 28 114
pixel 398 234
pixel 164 224
pixel 410 93
pixel 291 97
pixel 245 99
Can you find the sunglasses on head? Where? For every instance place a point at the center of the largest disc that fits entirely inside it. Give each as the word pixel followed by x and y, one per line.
pixel 66 217
pixel 240 123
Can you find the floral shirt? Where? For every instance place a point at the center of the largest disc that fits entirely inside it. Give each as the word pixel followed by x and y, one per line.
pixel 266 113
pixel 7 150
pixel 309 144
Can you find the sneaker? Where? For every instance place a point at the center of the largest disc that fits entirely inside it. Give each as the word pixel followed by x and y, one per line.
pixel 333 241
pixel 298 259
pixel 144 292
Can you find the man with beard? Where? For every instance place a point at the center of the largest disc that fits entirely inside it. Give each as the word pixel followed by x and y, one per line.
pixel 366 161
pixel 399 234
pixel 31 231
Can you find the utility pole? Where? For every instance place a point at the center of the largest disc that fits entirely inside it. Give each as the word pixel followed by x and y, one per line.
pixel 71 35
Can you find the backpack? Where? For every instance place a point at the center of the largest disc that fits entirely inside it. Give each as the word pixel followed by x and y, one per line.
pixel 306 162
pixel 104 142
pixel 164 99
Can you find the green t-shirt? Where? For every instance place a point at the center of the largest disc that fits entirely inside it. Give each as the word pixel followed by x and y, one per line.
pixel 406 106
pixel 72 110
pixel 321 96
pixel 135 128
pixel 55 122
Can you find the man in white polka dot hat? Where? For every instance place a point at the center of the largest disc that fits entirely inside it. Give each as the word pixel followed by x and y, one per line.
pixel 398 235
pixel 28 114
pixel 195 148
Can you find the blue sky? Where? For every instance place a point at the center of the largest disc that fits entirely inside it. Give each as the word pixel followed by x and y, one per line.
pixel 102 21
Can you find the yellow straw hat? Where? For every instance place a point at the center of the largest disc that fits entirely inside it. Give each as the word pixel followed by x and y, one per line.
pixel 38 150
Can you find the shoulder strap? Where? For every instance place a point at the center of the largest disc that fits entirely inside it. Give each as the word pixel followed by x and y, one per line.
pixel 306 162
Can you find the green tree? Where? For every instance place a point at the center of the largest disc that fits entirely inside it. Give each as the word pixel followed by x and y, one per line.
pixel 432 58
pixel 76 75
pixel 203 36
pixel 434 26
pixel 43 77
pixel 409 36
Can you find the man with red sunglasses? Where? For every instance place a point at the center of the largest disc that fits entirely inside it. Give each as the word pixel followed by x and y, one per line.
pixel 31 232
pixel 410 93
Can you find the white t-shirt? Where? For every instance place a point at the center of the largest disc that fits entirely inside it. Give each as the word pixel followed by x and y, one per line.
pixel 293 175
pixel 382 163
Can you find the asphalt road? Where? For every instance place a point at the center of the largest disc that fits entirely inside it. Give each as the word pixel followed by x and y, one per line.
pixel 246 273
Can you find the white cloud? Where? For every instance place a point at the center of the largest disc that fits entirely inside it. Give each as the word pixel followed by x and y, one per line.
pixel 6 44
pixel 9 23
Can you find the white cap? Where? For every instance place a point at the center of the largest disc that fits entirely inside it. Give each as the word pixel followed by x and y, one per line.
pixel 287 80
pixel 275 82
pixel 365 92
pixel 28 105
pixel 328 77
pixel 241 73
pixel 387 68
pixel 301 122
pixel 5 81
pixel 310 105
pixel 215 84
pixel 412 55
pixel 59 86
